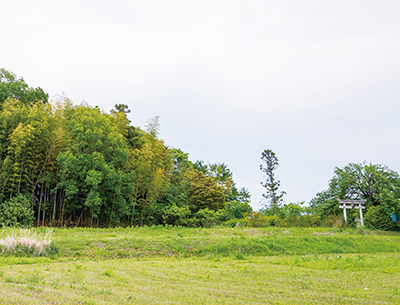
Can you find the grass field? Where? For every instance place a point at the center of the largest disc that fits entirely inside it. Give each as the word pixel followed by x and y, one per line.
pixel 202 266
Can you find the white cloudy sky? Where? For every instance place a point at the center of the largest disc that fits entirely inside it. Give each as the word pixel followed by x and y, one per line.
pixel 315 81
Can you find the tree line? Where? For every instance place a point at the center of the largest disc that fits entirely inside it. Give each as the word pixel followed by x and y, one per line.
pixel 64 164
pixel 377 184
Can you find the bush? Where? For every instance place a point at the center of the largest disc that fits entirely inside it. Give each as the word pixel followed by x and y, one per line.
pixel 234 223
pixel 300 221
pixel 258 219
pixel 207 218
pixel 177 216
pixel 377 218
pixel 334 221
pixel 16 212
pixel 235 210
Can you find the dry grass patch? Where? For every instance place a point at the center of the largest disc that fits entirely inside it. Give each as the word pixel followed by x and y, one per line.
pixel 27 243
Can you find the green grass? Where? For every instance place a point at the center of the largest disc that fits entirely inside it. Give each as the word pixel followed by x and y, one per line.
pixel 188 242
pixel 208 266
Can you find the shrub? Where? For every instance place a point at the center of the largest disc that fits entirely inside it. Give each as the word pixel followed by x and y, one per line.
pixel 206 217
pixel 235 210
pixel 234 223
pixel 258 219
pixel 177 216
pixel 300 221
pixel 335 221
pixel 16 212
pixel 377 218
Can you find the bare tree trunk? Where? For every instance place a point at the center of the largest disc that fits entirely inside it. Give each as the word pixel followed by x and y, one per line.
pixel 79 218
pixel 40 204
pixel 60 204
pixel 111 215
pixel 134 205
pixel 53 217
pixel 44 206
pixel 62 210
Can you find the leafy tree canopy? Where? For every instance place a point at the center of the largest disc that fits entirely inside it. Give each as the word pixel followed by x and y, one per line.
pixel 377 184
pixel 78 165
pixel 13 87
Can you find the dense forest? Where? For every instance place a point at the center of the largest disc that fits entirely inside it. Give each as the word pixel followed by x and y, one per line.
pixel 66 164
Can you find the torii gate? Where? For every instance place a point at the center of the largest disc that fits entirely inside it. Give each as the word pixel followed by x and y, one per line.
pixel 352 204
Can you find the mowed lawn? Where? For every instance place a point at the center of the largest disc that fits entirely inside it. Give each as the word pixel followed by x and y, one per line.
pixel 208 266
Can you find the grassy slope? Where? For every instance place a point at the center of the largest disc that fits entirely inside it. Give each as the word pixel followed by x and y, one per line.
pixel 176 265
pixel 185 242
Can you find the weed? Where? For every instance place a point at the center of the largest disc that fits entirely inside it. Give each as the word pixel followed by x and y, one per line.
pixel 360 229
pixel 239 256
pixel 56 284
pixel 104 291
pixel 108 272
pixel 35 278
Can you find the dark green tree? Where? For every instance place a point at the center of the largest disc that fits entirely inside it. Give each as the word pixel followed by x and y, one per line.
pixel 16 212
pixel 92 168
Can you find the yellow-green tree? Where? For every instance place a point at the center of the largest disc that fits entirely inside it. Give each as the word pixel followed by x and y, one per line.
pixel 152 165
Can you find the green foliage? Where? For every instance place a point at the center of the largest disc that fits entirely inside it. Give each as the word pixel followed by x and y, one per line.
pixel 16 212
pixel 377 218
pixel 221 174
pixel 79 166
pixel 235 210
pixel 259 219
pixel 234 222
pixel 303 221
pixel 177 216
pixel 289 215
pixel 335 221
pixel 377 184
pixel 13 87
pixel 271 185
pixel 92 169
pixel 204 193
pixel 206 217
pixel 152 165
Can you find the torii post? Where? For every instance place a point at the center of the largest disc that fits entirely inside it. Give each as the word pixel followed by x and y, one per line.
pixel 352 204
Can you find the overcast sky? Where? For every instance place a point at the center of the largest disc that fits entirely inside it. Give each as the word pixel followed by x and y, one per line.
pixel 315 81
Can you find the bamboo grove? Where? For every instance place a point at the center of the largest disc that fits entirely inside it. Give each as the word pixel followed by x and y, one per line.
pixel 63 164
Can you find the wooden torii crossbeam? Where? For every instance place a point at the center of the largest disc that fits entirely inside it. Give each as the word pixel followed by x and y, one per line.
pixel 352 204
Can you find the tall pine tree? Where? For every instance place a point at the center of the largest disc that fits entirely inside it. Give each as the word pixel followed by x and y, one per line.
pixel 272 195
